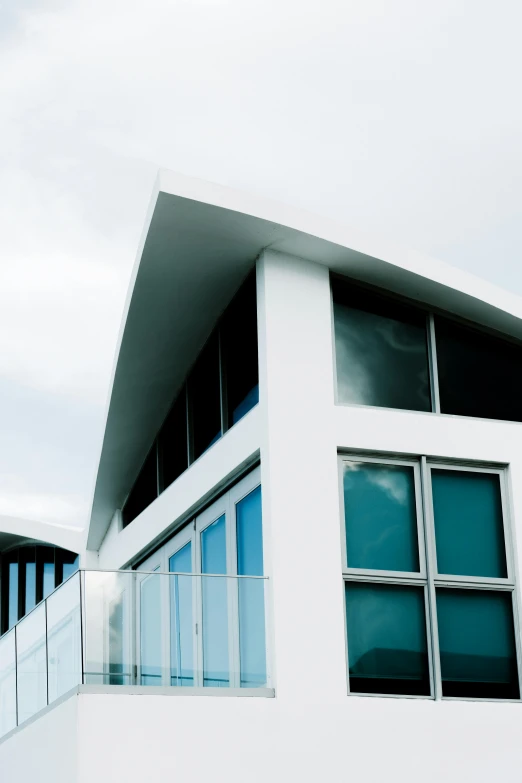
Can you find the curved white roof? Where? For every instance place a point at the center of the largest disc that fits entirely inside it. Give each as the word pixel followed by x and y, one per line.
pixel 14 530
pixel 199 241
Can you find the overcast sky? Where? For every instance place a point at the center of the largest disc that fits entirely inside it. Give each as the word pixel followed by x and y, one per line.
pixel 402 118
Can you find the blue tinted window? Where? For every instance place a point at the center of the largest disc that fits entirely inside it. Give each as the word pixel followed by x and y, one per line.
pixel 469 531
pixel 181 597
pixel 477 644
pixel 13 593
pixel 150 631
pixel 215 605
pixel 251 592
pixel 250 534
pixel 387 639
pixel 380 517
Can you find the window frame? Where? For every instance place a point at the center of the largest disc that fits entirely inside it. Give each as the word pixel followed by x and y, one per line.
pixel 429 578
pixel 430 311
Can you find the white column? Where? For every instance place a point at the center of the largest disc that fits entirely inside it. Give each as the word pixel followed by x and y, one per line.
pixel 300 481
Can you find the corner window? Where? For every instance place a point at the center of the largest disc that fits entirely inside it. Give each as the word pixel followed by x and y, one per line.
pixel 397 354
pixel 381 350
pixel 429 584
pixel 479 375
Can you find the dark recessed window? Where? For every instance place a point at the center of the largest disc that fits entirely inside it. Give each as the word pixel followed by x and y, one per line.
pixel 388 650
pixel 172 443
pixel 479 375
pixel 239 353
pixel 204 395
pixel 222 387
pixel 144 491
pixel 477 644
pixel 381 350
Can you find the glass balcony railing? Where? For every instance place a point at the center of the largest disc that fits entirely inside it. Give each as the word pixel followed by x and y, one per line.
pixel 126 628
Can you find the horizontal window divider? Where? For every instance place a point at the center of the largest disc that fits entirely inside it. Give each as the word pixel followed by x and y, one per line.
pixel 356 694
pixel 381 574
pixel 474 585
pixel 371 579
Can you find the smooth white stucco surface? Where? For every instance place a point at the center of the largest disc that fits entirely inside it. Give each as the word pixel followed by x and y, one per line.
pixel 45 750
pixel 113 738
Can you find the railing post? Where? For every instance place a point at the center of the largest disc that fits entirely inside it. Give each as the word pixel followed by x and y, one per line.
pixel 82 620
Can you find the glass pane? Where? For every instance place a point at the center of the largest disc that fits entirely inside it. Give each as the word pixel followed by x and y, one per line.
pixel 181 623
pixel 381 350
pixel 387 639
pixel 215 605
pixel 468 523
pixel 64 639
pixel 380 517
pixel 249 531
pixel 205 399
pixel 13 591
pixel 172 443
pixel 151 631
pixel 479 375
pixel 107 636
pixel 251 592
pixel 239 351
pixel 144 491
pixel 7 683
pixel 477 644
pixel 27 559
pixel 45 574
pixel 31 658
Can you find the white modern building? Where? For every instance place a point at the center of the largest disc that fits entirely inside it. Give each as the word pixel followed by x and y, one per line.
pixel 303 553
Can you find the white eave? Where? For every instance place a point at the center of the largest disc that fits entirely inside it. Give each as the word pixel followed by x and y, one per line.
pixel 199 242
pixel 16 531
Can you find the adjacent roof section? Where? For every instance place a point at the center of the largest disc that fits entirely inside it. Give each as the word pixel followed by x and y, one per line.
pixel 199 242
pixel 15 531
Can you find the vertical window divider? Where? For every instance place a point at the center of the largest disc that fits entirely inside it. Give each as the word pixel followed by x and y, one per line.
pixel 432 363
pixel 223 398
pixel 190 445
pixel 431 569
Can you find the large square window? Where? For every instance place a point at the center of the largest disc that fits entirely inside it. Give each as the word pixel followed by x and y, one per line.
pixel 429 586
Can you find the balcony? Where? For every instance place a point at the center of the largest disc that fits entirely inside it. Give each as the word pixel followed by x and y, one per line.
pixel 134 628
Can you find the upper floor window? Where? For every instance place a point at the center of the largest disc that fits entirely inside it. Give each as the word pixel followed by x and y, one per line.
pixel 396 355
pixel 429 580
pixel 222 386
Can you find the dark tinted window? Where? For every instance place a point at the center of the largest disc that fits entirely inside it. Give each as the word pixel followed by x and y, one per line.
pixel 172 443
pixel 204 393
pixel 381 350
pixel 479 375
pixel 477 644
pixel 144 491
pixel 239 353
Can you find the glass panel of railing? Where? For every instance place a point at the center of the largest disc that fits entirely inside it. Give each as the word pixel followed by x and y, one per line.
pixel 64 638
pixel 252 632
pixel 7 683
pixel 31 656
pixel 109 627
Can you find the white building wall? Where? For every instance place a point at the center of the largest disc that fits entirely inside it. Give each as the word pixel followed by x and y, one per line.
pixel 44 750
pixel 312 730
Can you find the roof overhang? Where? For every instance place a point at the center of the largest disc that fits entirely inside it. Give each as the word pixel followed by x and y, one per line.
pixel 199 242
pixel 15 531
